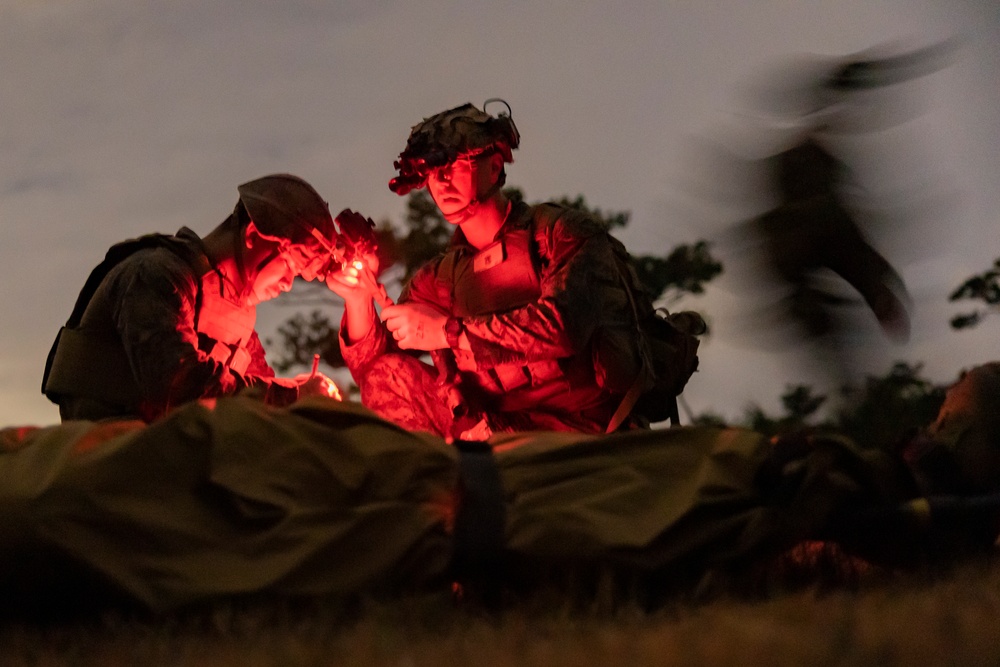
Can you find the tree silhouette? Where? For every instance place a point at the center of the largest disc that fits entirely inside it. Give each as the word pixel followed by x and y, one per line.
pixel 800 405
pixel 427 233
pixel 685 270
pixel 983 287
pixel 880 413
pixel 888 408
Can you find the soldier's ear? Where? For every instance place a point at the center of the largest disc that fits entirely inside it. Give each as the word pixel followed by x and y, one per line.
pixel 251 235
pixel 495 165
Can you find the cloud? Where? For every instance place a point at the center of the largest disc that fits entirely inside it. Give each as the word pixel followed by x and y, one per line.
pixel 48 181
pixel 125 117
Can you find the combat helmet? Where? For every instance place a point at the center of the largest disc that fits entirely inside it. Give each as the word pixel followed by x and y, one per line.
pixel 285 207
pixel 464 131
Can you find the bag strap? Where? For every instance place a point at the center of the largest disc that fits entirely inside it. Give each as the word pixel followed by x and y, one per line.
pixel 635 391
pixel 628 402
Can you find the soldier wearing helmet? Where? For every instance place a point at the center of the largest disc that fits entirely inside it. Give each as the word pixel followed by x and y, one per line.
pixel 524 315
pixel 169 319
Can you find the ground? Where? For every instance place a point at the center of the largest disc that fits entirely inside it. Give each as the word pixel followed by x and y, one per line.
pixel 871 617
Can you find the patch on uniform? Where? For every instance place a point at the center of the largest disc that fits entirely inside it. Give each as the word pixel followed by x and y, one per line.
pixel 488 257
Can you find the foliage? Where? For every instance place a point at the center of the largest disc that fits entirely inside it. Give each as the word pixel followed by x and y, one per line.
pixel 710 419
pixel 427 233
pixel 984 287
pixel 888 408
pixel 303 337
pixel 799 403
pixel 607 220
pixel 878 414
pixel 685 270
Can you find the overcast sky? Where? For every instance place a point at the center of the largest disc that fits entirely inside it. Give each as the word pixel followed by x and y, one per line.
pixel 122 117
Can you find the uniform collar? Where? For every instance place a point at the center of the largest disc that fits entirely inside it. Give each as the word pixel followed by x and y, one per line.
pixel 518 217
pixel 206 268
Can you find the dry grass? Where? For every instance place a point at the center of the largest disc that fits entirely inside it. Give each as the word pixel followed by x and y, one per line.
pixel 906 620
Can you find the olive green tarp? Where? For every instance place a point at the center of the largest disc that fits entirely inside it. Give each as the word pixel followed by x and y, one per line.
pixel 326 498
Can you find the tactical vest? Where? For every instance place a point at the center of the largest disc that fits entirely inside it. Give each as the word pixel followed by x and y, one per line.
pixel 224 326
pixel 501 277
pixel 94 365
pixel 645 359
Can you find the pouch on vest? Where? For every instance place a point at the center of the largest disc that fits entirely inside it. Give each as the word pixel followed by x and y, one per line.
pixel 501 277
pixel 87 363
pixel 227 324
pixel 673 355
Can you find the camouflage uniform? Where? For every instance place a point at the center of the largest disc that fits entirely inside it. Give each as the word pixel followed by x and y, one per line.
pixel 157 324
pixel 143 315
pixel 550 327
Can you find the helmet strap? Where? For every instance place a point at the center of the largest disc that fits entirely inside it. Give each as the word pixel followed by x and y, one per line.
pixel 462 215
pixel 240 248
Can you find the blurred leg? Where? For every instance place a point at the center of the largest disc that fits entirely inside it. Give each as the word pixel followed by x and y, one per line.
pixel 406 391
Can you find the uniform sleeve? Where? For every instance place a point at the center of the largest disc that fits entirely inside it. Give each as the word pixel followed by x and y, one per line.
pixel 361 353
pixel 580 288
pixel 258 367
pixel 260 376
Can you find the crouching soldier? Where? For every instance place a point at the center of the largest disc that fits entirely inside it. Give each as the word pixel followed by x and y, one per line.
pixel 169 319
pixel 530 315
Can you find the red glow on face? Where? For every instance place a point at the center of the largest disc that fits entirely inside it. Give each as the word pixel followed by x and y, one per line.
pixel 453 186
pixel 276 277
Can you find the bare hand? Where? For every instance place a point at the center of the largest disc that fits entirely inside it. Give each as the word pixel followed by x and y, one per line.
pixel 317 384
pixel 416 326
pixel 359 309
pixel 347 285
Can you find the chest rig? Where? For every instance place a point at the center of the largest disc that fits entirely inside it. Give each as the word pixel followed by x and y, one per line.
pixel 501 277
pixel 91 362
pixel 223 324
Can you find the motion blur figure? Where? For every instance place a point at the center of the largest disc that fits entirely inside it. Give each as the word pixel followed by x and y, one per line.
pixel 811 244
pixel 811 230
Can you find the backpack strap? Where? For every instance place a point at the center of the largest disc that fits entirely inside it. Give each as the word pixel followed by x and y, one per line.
pixel 639 385
pixel 628 402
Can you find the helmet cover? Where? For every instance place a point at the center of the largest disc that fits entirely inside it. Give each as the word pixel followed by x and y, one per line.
pixel 285 207
pixel 464 131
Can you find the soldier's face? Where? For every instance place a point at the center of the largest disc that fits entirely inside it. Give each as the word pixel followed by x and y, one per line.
pixel 276 277
pixel 454 186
